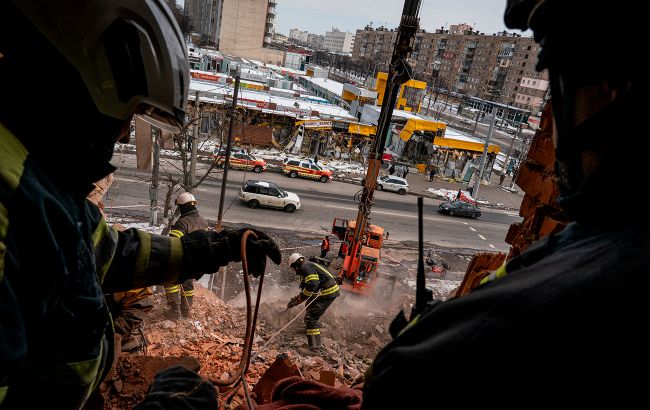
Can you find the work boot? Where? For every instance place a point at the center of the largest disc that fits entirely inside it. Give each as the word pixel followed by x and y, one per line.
pixel 173 311
pixel 186 306
pixel 135 342
pixel 314 341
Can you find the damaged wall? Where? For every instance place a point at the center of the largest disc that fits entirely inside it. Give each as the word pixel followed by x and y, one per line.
pixel 541 213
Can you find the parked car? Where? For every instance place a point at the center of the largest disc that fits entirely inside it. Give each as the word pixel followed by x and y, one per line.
pixel 295 167
pixel 243 161
pixel 461 208
pixel 392 183
pixel 268 194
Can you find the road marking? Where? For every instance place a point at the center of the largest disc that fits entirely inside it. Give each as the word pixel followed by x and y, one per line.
pixel 492 246
pixel 390 213
pixel 465 223
pixel 127 206
pixel 482 237
pixel 472 229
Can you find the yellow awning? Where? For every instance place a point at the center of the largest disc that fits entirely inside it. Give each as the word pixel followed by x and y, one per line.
pixel 413 125
pixel 464 145
pixel 362 129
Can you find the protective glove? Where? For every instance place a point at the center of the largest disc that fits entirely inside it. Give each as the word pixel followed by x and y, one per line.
pixel 257 249
pixel 294 301
pixel 179 388
pixel 205 251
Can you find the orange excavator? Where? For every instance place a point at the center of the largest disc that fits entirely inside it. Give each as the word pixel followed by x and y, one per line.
pixel 362 241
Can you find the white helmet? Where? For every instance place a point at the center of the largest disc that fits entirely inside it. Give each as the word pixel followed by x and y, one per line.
pixel 294 258
pixel 185 198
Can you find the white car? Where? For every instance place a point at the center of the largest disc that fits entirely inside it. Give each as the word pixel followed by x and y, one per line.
pixel 268 194
pixel 392 183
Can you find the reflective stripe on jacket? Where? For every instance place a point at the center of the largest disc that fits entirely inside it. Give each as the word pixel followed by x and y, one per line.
pixel 315 278
pixel 58 257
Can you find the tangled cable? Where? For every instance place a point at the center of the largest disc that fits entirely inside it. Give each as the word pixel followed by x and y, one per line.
pixel 251 320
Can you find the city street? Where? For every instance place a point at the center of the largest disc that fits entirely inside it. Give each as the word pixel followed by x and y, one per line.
pixel 321 203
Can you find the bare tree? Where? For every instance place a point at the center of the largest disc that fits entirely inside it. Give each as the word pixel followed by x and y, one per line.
pixel 177 178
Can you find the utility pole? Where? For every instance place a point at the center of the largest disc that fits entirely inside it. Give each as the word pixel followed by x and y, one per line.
pixel 195 142
pixel 512 142
pixel 226 163
pixel 478 114
pixel 155 178
pixel 477 184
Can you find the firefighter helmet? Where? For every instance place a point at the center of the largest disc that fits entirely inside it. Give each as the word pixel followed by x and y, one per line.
pixel 131 56
pixel 185 198
pixel 295 260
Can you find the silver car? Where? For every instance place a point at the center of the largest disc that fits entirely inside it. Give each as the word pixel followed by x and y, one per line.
pixel 392 183
pixel 268 194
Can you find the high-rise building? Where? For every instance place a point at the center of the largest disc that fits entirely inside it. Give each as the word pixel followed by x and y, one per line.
pixel 316 41
pixel 206 18
pixel 246 29
pixel 338 41
pixel 298 35
pixel 498 67
pixel 240 27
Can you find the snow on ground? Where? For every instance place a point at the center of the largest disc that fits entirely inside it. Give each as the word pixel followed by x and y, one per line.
pixel 450 195
pixel 142 226
pixel 344 166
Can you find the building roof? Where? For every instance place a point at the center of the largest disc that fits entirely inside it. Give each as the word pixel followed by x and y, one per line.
pixel 332 86
pixel 249 99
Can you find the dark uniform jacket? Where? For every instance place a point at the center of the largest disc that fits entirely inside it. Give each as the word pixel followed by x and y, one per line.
pixel 314 278
pixel 58 257
pixel 188 222
pixel 562 323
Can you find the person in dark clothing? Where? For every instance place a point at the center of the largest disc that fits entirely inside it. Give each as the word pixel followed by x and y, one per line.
pixel 432 173
pixel 315 282
pixel 58 255
pixel 180 296
pixel 325 246
pixel 459 194
pixel 572 306
pixel 391 169
pixel 406 172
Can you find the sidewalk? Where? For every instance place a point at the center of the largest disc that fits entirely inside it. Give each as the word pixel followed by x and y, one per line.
pixel 493 193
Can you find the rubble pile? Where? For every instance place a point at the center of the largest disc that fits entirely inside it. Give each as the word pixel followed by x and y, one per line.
pixel 212 340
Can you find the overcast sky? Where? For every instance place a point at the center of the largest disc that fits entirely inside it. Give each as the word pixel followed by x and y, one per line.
pixel 318 16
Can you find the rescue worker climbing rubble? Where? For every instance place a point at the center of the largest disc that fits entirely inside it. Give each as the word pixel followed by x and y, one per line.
pixel 180 296
pixel 315 282
pixel 563 321
pixel 58 256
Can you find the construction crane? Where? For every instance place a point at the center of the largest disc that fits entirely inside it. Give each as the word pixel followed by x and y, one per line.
pixel 363 241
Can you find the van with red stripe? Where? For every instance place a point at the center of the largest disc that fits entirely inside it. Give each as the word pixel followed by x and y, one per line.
pixel 243 161
pixel 295 167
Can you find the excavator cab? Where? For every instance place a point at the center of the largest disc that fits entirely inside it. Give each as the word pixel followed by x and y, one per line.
pixel 358 263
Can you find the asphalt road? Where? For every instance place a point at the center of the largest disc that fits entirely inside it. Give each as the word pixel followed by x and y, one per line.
pixel 321 203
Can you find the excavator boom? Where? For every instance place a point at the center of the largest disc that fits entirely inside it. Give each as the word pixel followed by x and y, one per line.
pixel 359 236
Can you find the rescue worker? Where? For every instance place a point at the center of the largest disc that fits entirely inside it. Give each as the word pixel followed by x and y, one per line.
pixel 563 322
pixel 315 282
pixel 58 256
pixel 325 246
pixel 128 309
pixel 182 295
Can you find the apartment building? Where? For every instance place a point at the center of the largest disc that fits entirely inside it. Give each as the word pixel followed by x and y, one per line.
pixel 242 28
pixel 206 18
pixel 498 67
pixel 298 35
pixel 247 28
pixel 338 41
